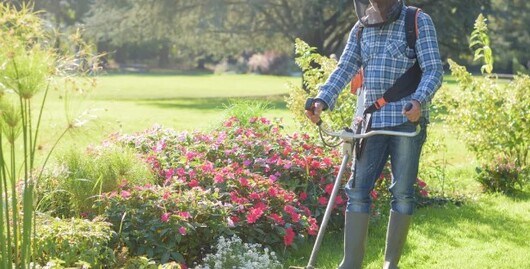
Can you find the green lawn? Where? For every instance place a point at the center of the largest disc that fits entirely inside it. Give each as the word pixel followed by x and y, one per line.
pixel 131 103
pixel 487 231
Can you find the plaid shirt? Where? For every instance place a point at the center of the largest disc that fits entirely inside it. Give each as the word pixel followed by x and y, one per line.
pixel 385 56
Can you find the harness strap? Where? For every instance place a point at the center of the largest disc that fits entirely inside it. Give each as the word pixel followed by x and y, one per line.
pixel 410 80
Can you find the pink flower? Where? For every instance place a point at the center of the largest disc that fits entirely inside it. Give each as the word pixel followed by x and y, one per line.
pixel 295 217
pixel 165 217
pixel 289 236
pixel 168 174
pixel 273 192
pixel 244 182
pixel 166 195
pixel 183 231
pixel 218 179
pixel 125 194
pixel 185 214
pixel 323 200
pixel 273 178
pixel 313 226
pixel 254 196
pixel 421 183
pixel 247 162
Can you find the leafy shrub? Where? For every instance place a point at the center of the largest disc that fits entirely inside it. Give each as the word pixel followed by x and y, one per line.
pixel 74 242
pixel 244 109
pixel 316 70
pixel 501 175
pixel 166 223
pixel 241 178
pixel 233 253
pixel 70 188
pixel 492 117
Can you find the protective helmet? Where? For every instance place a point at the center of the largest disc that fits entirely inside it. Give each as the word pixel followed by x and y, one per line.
pixel 373 13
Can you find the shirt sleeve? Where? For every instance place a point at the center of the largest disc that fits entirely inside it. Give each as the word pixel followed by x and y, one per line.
pixel 428 55
pixel 349 64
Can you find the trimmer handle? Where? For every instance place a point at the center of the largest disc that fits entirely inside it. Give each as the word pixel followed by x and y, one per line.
pixel 309 107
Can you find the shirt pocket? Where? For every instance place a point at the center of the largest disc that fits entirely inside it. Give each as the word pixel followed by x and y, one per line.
pixel 367 51
pixel 399 49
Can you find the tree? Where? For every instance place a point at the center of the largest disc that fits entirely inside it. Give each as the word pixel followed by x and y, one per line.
pixel 510 34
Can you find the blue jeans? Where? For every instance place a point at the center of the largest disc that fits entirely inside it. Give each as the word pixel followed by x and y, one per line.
pixel 404 153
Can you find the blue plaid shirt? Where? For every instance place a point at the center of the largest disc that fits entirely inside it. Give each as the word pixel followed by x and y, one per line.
pixel 385 56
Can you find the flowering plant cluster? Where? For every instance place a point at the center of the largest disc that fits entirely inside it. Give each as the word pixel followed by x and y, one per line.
pixel 233 253
pixel 245 179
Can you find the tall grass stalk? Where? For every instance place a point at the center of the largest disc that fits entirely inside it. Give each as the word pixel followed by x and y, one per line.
pixel 27 67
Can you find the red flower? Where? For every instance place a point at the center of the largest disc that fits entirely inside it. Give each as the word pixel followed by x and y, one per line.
pixel 421 183
pixel 303 196
pixel 254 214
pixel 424 193
pixel 373 194
pixel 329 188
pixel 277 218
pixel 289 236
pixel 323 200
pixel 289 209
pixel 193 183
pixel 339 200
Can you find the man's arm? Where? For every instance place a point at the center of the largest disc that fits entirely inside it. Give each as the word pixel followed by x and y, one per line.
pixel 349 64
pixel 428 55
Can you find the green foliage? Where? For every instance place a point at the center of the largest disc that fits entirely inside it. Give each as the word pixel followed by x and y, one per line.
pixel 480 42
pixel 501 175
pixel 70 188
pixel 491 117
pixel 313 78
pixel 74 242
pixel 142 262
pixel 244 109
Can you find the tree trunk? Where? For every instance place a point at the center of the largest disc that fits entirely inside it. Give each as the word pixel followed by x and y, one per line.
pixel 163 56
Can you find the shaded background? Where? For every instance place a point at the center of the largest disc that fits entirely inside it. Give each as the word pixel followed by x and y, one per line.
pixel 258 35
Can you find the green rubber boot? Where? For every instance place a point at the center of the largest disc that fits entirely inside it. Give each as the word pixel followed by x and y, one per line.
pixel 396 235
pixel 355 233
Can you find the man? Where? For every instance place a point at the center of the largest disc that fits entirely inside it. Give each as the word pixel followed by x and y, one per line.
pixel 381 48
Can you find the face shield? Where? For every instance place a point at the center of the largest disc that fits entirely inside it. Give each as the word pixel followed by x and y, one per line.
pixel 377 12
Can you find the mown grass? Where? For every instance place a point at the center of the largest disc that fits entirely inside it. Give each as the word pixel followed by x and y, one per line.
pixel 486 231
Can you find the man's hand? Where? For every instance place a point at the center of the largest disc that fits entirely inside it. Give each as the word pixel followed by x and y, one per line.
pixel 414 113
pixel 316 110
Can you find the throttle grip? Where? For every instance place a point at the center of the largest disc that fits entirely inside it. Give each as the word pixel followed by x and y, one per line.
pixel 309 106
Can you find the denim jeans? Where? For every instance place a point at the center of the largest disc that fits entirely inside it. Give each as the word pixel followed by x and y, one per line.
pixel 404 153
